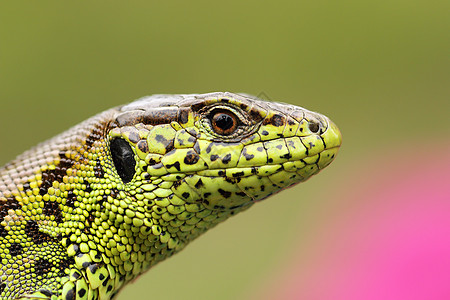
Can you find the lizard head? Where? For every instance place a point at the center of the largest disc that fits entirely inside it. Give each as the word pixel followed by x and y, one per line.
pixel 186 162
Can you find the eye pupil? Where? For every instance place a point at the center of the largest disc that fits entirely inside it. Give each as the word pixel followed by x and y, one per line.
pixel 224 122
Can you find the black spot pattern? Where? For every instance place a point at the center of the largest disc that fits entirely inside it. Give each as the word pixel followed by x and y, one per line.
pixel 238 174
pixel 46 292
pixel 81 292
pixel 88 188
pixel 225 194
pixel 286 156
pixel 89 220
pixel 152 162
pixel 56 174
pixel 70 295
pixel 32 231
pixel 93 267
pixel 42 266
pixel 175 165
pixel 3 231
pixel 226 159
pixel 168 144
pixel 142 145
pixel 209 148
pixel 98 170
pixel 15 249
pixel 26 187
pixel 65 264
pixel 52 209
pixel 246 155
pixel 255 115
pixel 114 192
pixel 191 158
pixel 199 184
pixel 71 198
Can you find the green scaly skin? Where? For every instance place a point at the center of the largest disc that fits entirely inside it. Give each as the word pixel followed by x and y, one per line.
pixel 79 219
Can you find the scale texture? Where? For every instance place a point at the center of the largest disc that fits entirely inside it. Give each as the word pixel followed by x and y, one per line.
pixel 89 210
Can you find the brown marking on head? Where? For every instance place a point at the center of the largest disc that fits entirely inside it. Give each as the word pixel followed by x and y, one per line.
pixel 183 115
pixel 167 143
pixel 142 145
pixel 56 174
pixel 155 116
pixel 10 203
pixel 275 120
pixel 95 135
pixel 255 115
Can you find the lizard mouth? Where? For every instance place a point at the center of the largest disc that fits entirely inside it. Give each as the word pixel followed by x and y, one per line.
pixel 270 172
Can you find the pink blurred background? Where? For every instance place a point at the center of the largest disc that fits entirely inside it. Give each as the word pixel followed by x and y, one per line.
pixel 389 238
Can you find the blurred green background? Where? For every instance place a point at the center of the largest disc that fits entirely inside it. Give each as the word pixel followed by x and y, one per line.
pixel 379 69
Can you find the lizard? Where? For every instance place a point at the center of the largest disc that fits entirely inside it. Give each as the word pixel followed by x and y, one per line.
pixel 87 211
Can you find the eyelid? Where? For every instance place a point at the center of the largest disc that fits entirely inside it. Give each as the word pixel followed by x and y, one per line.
pixel 235 111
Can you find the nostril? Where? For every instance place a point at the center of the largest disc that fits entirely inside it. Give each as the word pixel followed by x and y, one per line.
pixel 314 126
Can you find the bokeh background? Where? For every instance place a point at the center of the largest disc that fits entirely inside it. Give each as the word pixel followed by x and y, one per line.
pixel 374 225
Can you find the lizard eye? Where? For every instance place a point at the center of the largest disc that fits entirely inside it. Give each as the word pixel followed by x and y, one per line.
pixel 123 158
pixel 223 122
